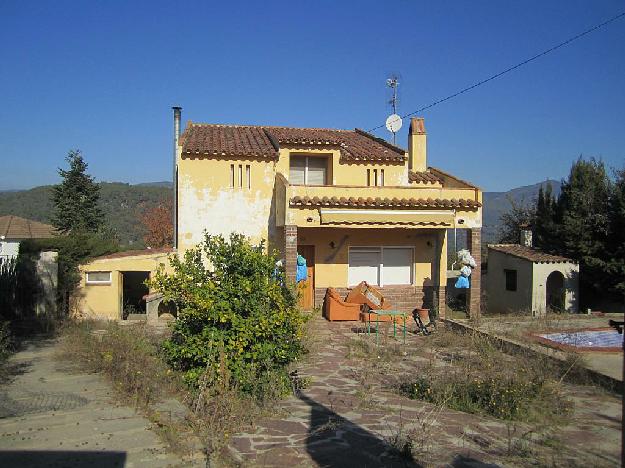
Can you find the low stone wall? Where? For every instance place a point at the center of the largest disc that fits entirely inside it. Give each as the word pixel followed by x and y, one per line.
pixel 512 347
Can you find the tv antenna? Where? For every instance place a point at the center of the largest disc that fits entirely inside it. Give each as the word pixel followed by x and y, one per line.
pixel 393 122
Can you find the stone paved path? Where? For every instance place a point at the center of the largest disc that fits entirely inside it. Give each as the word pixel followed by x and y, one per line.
pixel 347 417
pixel 51 415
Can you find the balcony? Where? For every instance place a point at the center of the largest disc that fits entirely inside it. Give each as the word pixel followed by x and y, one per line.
pixel 362 206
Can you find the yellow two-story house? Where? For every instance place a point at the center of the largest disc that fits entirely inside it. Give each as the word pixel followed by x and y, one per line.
pixel 356 207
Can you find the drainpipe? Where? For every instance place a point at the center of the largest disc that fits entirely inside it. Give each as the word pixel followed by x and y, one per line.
pixel 177 114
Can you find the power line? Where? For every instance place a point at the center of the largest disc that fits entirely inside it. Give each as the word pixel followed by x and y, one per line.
pixel 507 70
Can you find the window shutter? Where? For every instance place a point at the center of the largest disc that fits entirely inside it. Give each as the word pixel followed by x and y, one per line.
pixel 397 267
pixel 364 265
pixel 297 170
pixel 317 171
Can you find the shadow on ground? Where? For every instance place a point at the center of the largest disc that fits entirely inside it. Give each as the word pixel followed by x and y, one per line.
pixel 61 458
pixel 334 441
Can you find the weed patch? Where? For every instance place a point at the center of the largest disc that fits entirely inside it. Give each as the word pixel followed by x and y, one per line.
pixel 482 380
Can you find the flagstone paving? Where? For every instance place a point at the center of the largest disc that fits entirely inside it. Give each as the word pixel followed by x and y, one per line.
pixel 348 416
pixel 53 415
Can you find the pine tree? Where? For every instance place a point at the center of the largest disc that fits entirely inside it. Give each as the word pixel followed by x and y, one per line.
pixel 76 198
pixel 583 209
pixel 545 228
pixel 616 239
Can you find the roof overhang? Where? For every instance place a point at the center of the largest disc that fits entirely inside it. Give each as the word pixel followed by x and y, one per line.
pixel 442 218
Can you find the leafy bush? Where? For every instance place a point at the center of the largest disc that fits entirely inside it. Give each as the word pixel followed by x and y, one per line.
pixel 238 311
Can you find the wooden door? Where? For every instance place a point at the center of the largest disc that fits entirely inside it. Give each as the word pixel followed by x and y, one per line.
pixel 307 288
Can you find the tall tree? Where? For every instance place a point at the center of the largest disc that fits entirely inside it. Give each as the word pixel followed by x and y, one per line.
pixel 583 212
pixel 519 216
pixel 544 225
pixel 616 238
pixel 158 225
pixel 76 198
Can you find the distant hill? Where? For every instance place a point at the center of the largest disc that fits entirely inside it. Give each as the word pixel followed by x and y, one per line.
pixel 120 202
pixel 497 203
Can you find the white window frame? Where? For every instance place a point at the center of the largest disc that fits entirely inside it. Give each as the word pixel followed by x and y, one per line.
pixel 109 281
pixel 306 158
pixel 380 249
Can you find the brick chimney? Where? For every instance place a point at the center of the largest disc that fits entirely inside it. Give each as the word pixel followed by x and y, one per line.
pixel 417 148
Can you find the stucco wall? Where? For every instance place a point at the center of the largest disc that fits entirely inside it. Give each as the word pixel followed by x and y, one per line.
pixel 9 248
pixel 206 201
pixel 103 301
pixel 331 264
pixel 541 272
pixel 500 301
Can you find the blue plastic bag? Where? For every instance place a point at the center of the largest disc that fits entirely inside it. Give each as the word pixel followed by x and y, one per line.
pixel 301 273
pixel 462 283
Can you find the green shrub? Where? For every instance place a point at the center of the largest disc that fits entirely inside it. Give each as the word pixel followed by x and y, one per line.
pixel 239 310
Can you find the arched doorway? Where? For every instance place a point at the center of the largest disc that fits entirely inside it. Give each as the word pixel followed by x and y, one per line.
pixel 555 292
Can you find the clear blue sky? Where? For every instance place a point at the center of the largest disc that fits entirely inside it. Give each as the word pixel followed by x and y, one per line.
pixel 102 76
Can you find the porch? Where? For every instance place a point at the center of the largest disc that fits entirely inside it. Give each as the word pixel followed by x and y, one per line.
pixel 408 265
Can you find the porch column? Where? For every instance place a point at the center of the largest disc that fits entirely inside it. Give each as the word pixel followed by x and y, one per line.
pixel 475 246
pixel 290 252
pixel 441 285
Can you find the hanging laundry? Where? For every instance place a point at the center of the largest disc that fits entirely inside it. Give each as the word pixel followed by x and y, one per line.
pixel 465 271
pixel 301 273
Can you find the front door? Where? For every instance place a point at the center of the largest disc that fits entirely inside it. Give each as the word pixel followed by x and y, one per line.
pixel 306 288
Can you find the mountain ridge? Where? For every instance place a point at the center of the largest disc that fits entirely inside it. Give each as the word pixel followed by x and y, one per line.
pixel 123 202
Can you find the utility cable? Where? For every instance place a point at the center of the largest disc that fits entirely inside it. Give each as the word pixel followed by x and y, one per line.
pixel 508 70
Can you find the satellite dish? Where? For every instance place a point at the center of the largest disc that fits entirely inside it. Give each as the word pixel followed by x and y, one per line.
pixel 393 123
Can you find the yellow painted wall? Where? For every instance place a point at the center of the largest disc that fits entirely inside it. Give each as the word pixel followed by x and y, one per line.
pixel 102 301
pixel 331 264
pixel 300 215
pixel 206 201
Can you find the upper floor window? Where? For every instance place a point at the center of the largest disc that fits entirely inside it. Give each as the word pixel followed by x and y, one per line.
pixel 308 170
pixel 375 177
pixel 240 176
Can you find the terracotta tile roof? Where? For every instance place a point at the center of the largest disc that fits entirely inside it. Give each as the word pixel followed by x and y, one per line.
pixel 264 142
pixel 378 202
pixel 135 253
pixel 529 253
pixel 14 227
pixel 228 140
pixel 424 177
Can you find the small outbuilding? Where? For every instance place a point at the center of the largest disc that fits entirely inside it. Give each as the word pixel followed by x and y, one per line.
pixel 14 230
pixel 114 287
pixel 523 278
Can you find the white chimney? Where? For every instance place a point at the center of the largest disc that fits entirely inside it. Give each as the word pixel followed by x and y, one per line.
pixel 526 237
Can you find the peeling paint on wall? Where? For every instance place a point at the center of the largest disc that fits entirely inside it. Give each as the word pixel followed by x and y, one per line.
pixel 222 211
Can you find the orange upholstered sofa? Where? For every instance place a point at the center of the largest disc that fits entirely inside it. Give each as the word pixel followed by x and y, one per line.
pixel 336 308
pixel 364 293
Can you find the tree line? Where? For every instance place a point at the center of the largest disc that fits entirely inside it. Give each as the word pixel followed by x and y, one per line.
pixel 586 223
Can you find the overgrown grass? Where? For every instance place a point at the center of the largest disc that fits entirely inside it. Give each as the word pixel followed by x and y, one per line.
pixel 481 379
pixel 130 356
